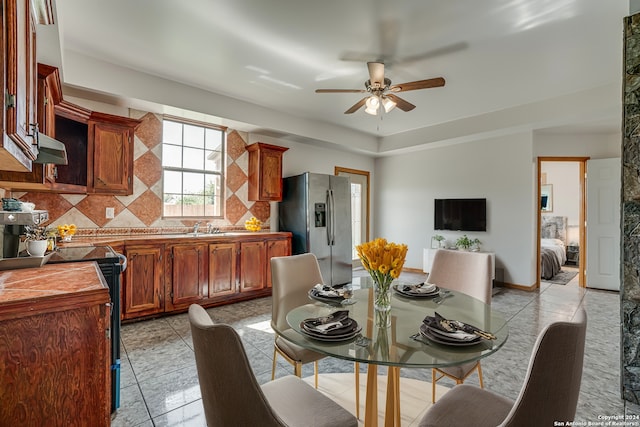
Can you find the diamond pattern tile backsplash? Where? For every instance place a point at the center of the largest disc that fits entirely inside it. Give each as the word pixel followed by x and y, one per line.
pixel 141 212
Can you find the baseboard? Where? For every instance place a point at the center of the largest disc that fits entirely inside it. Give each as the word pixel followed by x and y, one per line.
pixel 530 288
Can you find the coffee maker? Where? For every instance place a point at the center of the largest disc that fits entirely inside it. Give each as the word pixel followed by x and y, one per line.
pixel 14 223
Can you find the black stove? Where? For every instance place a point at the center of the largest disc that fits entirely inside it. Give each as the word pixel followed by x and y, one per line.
pixel 111 264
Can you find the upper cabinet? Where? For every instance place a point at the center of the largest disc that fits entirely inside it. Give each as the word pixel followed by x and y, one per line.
pixel 99 147
pixel 265 171
pixel 110 161
pixel 17 150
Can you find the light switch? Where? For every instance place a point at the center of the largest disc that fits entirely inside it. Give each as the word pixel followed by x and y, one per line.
pixel 109 213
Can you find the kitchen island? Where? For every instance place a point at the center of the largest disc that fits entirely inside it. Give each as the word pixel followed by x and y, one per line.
pixel 54 346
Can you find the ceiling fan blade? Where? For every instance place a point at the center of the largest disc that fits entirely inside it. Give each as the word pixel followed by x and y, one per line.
pixel 400 103
pixel 376 73
pixel 356 106
pixel 340 90
pixel 443 50
pixel 420 84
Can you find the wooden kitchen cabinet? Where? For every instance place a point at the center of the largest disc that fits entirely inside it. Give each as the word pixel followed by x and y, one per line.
pixel 169 276
pixel 265 172
pixel 252 266
pixel 186 272
pixel 99 150
pixel 142 290
pixel 17 149
pixel 222 269
pixel 275 248
pixel 110 154
pixel 55 359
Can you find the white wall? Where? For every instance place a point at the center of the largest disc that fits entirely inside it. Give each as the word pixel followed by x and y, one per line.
pixel 565 180
pixel 499 169
pixel 595 146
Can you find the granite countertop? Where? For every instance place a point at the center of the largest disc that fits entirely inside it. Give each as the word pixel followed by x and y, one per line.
pixel 50 280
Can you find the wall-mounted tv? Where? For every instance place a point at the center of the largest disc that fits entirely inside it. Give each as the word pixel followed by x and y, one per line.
pixel 460 214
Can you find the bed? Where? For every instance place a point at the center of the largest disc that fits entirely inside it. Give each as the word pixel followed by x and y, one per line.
pixel 553 252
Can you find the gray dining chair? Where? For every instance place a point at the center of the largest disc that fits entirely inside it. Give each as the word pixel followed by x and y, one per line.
pixel 549 393
pixel 232 397
pixel 470 273
pixel 292 277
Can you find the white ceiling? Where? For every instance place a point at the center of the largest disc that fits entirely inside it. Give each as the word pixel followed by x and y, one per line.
pixel 497 56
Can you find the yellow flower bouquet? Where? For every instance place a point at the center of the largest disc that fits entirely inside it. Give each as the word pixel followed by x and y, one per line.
pixel 66 231
pixel 384 261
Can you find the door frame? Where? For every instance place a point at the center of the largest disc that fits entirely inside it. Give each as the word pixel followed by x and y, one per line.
pixel 365 174
pixel 582 241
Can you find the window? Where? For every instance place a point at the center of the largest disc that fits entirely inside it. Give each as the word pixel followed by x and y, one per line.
pixel 192 168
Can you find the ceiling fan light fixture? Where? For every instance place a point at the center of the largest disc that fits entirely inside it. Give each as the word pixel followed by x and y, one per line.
pixel 388 104
pixel 372 104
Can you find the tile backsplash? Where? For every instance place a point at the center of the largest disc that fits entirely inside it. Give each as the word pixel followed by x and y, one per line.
pixel 141 212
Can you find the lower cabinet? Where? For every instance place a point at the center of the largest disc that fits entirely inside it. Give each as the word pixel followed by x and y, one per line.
pixel 142 288
pixel 186 272
pixel 169 277
pixel 276 248
pixel 222 269
pixel 252 263
pixel 55 362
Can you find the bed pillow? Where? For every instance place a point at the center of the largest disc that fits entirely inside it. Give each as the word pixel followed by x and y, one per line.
pixel 551 242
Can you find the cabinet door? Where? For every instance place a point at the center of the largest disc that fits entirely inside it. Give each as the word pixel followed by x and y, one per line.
pixel 143 278
pixel 188 274
pixel 222 269
pixel 20 94
pixel 110 160
pixel 265 172
pixel 276 248
pixel 252 266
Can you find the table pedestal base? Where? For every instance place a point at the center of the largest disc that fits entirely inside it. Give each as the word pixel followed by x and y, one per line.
pixel 392 407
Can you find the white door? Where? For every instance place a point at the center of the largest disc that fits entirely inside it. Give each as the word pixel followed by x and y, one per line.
pixel 359 207
pixel 603 224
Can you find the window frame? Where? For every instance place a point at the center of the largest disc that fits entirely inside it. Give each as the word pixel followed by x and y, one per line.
pixel 221 173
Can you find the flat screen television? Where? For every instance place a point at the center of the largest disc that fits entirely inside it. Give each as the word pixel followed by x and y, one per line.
pixel 460 214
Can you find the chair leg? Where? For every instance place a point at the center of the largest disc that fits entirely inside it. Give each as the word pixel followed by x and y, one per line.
pixel 297 369
pixel 315 372
pixel 273 368
pixel 356 370
pixel 480 375
pixel 433 385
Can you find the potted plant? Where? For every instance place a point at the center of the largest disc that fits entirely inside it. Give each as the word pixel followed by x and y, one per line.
pixel 439 239
pixel 465 243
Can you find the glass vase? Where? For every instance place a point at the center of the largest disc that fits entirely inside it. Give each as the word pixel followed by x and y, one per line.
pixel 382 302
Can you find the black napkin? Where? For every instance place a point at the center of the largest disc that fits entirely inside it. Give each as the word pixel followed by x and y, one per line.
pixel 440 323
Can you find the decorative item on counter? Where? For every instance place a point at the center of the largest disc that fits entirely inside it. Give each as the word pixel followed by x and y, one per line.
pixel 65 231
pixel 9 204
pixel 37 240
pixel 464 243
pixel 384 261
pixel 437 242
pixel 253 224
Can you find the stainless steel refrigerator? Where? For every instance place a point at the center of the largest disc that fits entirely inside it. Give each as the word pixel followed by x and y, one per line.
pixel 316 209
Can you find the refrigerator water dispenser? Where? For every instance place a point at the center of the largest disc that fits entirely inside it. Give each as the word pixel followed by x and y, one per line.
pixel 321 214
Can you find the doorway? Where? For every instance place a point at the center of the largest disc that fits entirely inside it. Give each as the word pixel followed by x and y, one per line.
pixel 359 206
pixel 562 193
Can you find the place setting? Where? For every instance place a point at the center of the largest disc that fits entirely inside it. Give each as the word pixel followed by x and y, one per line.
pixel 451 332
pixel 420 290
pixel 332 295
pixel 335 327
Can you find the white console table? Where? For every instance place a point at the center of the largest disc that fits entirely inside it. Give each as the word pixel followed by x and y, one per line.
pixel 428 255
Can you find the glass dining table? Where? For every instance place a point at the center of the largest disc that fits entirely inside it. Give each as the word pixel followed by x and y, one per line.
pixel 398 346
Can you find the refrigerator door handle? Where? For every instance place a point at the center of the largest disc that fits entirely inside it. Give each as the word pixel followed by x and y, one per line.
pixel 331 238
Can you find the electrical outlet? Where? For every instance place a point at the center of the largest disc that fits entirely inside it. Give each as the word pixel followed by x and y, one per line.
pixel 109 213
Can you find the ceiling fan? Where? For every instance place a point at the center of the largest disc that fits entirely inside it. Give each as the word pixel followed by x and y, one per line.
pixel 382 92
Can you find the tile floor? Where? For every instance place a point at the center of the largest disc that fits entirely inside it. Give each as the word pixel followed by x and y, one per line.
pixel 160 385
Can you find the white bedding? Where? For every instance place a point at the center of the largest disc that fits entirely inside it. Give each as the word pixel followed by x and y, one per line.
pixel 557 246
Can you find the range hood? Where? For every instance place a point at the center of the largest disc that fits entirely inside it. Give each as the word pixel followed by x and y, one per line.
pixel 50 151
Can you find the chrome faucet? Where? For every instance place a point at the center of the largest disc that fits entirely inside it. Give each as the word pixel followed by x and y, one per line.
pixel 196 226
